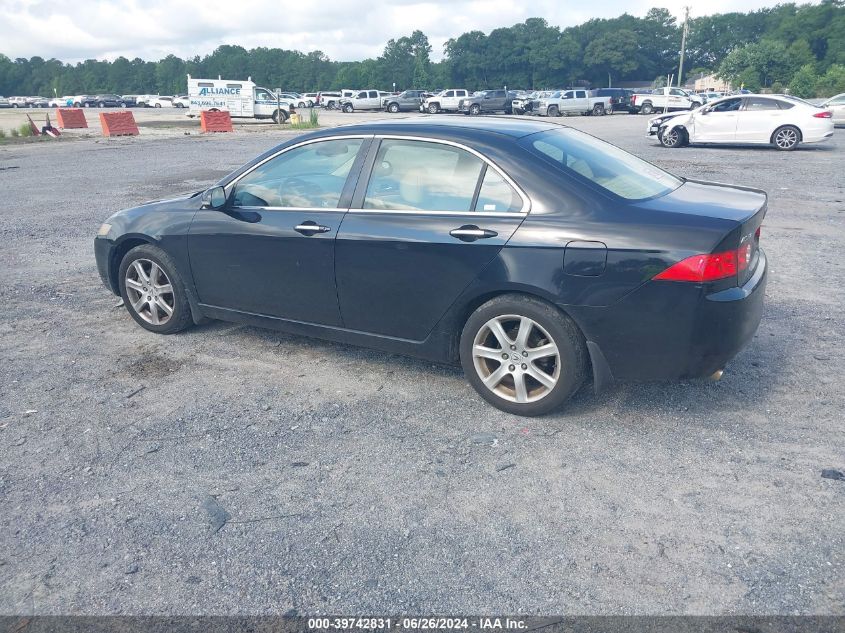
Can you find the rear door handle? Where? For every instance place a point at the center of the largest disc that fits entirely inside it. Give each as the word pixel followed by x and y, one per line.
pixel 470 233
pixel 310 228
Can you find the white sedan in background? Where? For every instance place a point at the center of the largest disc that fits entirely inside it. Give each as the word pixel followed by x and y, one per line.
pixel 837 106
pixel 160 102
pixel 781 121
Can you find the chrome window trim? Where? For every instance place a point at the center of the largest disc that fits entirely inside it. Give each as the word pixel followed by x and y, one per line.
pixel 231 185
pixel 526 201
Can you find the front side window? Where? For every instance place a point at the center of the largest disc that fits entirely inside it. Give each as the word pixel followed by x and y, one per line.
pixel 311 176
pixel 728 105
pixel 605 165
pixel 422 176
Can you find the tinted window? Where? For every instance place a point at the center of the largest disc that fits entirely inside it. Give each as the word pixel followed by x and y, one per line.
pixel 581 94
pixel 496 194
pixel 311 176
pixel 728 105
pixel 758 103
pixel 606 165
pixel 373 94
pixel 450 93
pixel 422 176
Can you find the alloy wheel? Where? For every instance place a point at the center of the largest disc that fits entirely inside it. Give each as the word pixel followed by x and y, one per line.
pixel 787 138
pixel 150 291
pixel 516 358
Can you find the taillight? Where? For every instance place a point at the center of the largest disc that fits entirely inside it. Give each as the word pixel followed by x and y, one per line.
pixel 701 268
pixel 823 115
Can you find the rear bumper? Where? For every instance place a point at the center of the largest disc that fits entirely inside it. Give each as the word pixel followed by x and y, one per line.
pixel 670 330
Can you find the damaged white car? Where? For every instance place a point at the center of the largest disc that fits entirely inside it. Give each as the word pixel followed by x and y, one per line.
pixel 781 121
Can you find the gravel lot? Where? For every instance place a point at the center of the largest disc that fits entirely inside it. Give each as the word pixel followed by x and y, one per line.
pixel 237 470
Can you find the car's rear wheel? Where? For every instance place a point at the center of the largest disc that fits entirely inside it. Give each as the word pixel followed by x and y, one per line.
pixel 675 137
pixel 522 355
pixel 646 108
pixel 158 105
pixel 786 138
pixel 153 291
pixel 280 116
pixel 554 111
pixel 393 107
pixel 598 110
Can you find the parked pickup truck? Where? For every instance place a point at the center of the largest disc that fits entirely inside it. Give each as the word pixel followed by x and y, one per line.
pixel 404 102
pixel 487 101
pixel 363 100
pixel 445 101
pixel 664 99
pixel 566 102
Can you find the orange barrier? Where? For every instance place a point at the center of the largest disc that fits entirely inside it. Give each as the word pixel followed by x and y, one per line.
pixel 215 121
pixel 118 124
pixel 71 118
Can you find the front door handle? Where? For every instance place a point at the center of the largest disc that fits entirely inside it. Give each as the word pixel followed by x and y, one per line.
pixel 470 233
pixel 311 228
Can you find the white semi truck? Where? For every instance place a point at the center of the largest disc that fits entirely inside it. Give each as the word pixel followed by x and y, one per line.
pixel 241 99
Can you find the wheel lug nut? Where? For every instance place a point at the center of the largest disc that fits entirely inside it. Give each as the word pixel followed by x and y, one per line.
pixel 524 366
pixel 504 355
pixel 513 346
pixel 525 353
pixel 511 368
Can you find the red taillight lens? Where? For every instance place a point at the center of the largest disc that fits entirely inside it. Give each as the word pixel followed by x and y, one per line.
pixel 701 268
pixel 823 115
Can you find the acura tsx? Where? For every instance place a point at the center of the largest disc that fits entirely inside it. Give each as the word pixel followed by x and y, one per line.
pixel 536 256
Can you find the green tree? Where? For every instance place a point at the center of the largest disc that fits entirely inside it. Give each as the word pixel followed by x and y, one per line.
pixel 804 81
pixel 832 82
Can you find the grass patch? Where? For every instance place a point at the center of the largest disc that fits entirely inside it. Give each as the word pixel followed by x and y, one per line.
pixel 24 130
pixel 15 133
pixel 2 134
pixel 312 122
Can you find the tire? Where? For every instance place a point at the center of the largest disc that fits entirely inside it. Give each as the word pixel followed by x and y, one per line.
pixel 554 111
pixel 142 265
pixel 101 105
pixel 786 138
pixel 330 105
pixel 563 369
pixel 676 137
pixel 348 108
pixel 393 107
pixel 158 105
pixel 646 108
pixel 433 108
pixel 475 109
pixel 310 103
pixel 15 106
pixel 280 114
pixel 598 110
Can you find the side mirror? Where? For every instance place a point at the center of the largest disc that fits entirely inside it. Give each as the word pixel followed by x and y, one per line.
pixel 704 110
pixel 214 198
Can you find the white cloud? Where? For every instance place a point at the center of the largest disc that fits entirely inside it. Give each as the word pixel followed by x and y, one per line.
pixel 343 29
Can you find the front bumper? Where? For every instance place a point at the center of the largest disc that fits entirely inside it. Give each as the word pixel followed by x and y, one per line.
pixel 670 330
pixel 103 249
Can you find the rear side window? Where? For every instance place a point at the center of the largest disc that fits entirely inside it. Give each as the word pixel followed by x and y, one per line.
pixel 422 176
pixel 613 169
pixel 497 195
pixel 756 104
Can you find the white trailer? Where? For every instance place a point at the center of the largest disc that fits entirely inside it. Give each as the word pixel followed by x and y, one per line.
pixel 242 99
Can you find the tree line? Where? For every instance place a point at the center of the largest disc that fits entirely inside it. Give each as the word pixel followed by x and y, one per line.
pixel 788 45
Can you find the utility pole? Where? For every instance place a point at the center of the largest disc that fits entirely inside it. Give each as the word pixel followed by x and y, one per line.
pixel 683 44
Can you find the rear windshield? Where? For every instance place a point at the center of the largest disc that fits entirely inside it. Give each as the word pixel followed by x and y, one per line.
pixel 603 164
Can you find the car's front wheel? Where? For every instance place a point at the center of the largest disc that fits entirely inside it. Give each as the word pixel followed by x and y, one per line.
pixel 347 108
pixel 554 111
pixel 475 109
pixel 522 355
pixel 675 137
pixel 786 138
pixel 153 291
pixel 433 108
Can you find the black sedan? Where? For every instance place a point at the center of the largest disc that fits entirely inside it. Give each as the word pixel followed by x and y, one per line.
pixel 537 256
pixel 103 101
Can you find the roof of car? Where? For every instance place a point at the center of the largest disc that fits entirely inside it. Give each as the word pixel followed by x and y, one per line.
pixel 508 126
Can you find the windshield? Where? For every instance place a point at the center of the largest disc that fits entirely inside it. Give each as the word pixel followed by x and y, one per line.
pixel 605 165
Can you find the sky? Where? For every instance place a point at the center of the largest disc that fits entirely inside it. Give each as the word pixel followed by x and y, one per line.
pixel 346 30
